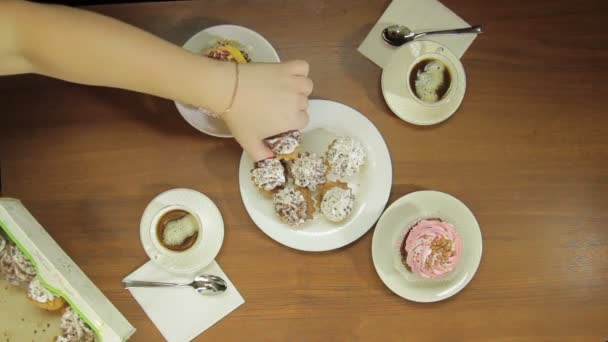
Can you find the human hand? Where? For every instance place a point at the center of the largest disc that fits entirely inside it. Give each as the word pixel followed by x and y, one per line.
pixel 270 99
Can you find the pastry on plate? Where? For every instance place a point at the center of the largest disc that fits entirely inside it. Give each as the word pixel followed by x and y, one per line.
pixel 15 266
pixel 229 51
pixel 285 145
pixel 74 329
pixel 431 248
pixel 345 156
pixel 294 206
pixel 269 175
pixel 336 201
pixel 6 263
pixel 308 170
pixel 39 296
pixel 2 245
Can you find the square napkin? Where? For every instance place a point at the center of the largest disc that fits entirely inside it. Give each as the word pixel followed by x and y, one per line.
pixel 181 314
pixel 418 15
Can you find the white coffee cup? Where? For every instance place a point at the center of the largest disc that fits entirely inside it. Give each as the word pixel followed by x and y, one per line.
pixel 210 234
pixel 401 98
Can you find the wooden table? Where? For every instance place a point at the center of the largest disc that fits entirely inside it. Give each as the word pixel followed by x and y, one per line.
pixel 527 152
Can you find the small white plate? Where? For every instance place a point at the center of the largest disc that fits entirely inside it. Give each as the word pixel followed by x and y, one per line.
pixel 398 94
pixel 390 232
pixel 208 243
pixel 260 51
pixel 371 186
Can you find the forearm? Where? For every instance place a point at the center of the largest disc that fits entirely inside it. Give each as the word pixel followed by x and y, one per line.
pixel 85 47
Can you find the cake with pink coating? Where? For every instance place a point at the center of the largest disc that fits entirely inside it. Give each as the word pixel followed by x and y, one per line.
pixel 431 248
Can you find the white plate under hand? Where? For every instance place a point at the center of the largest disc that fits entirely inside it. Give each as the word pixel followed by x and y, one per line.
pixel 371 186
pixel 397 92
pixel 260 51
pixel 391 229
pixel 208 243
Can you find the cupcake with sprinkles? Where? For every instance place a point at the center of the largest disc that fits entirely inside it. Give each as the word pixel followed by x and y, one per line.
pixel 269 175
pixel 41 297
pixel 2 245
pixel 336 201
pixel 286 145
pixel 74 329
pixel 308 171
pixel 345 156
pixel 431 248
pixel 15 266
pixel 294 206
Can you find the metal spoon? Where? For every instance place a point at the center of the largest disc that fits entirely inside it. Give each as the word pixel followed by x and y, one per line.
pixel 397 35
pixel 205 284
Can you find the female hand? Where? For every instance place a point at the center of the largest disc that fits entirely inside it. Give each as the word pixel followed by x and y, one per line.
pixel 270 99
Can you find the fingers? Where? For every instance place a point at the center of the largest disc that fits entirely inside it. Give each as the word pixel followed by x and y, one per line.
pixel 305 85
pixel 302 83
pixel 302 120
pixel 286 86
pixel 296 120
pixel 297 68
pixel 302 103
pixel 257 150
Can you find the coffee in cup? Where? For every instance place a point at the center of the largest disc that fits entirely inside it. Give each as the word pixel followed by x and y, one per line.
pixel 430 79
pixel 177 229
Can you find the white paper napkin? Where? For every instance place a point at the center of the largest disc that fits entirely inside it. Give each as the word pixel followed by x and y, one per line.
pixel 418 15
pixel 180 314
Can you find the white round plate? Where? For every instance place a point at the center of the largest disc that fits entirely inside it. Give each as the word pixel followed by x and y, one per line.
pixel 371 186
pixel 390 232
pixel 260 51
pixel 209 241
pixel 397 92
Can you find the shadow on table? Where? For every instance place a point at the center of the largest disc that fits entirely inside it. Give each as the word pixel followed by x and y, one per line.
pixel 360 69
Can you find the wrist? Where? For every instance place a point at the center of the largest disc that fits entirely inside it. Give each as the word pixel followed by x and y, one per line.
pixel 213 85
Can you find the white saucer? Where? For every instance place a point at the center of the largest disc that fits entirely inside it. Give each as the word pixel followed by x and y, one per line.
pixel 209 241
pixel 371 186
pixel 260 51
pixel 390 232
pixel 397 92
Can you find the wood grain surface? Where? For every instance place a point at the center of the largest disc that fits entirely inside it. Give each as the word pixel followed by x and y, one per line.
pixel 527 152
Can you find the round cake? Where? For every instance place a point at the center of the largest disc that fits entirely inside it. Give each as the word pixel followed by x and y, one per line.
pixel 268 175
pixel 74 329
pixel 2 245
pixel 15 266
pixel 43 298
pixel 308 170
pixel 345 156
pixel 336 201
pixel 23 266
pixel 286 145
pixel 293 206
pixel 431 248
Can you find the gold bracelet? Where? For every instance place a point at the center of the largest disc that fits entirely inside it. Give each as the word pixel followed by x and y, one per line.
pixel 236 86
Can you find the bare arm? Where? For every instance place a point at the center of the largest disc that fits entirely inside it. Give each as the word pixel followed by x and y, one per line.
pixel 84 47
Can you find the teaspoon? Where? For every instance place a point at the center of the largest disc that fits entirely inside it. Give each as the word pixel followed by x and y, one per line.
pixel 397 35
pixel 205 284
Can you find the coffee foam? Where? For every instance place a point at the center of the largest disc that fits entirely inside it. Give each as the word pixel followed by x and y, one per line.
pixel 429 80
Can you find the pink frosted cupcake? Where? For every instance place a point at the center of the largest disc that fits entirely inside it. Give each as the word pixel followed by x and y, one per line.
pixel 431 248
